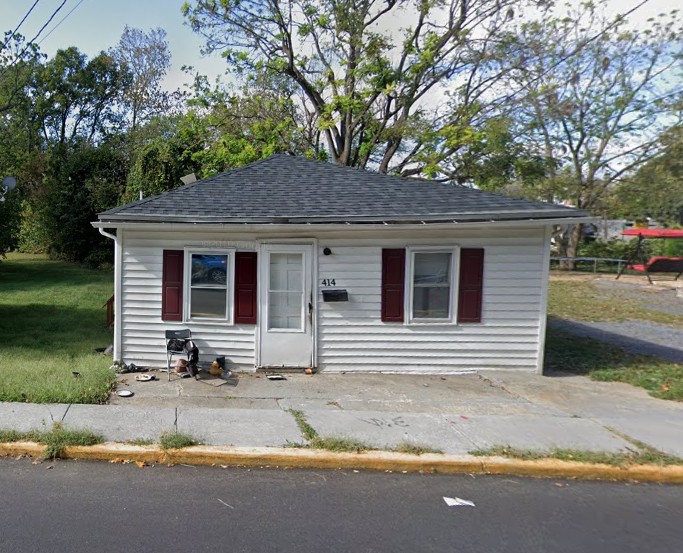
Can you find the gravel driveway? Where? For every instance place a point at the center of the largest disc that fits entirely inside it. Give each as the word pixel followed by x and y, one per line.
pixel 636 336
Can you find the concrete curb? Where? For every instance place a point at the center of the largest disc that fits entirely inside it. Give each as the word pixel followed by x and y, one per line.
pixel 371 460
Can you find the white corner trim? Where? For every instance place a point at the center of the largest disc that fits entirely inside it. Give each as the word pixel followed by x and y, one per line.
pixel 118 300
pixel 543 314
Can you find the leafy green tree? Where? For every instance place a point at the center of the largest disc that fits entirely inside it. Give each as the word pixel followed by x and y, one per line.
pixel 220 130
pixel 165 155
pixel 590 97
pixel 74 109
pixel 78 100
pixel 18 64
pixel 656 189
pixel 261 118
pixel 375 92
pixel 79 185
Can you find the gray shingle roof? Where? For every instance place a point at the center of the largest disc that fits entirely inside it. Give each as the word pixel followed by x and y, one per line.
pixel 287 189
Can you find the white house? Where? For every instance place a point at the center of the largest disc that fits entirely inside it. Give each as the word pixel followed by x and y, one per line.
pixel 288 262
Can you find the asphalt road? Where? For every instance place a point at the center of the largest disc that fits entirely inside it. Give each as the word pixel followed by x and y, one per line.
pixel 71 506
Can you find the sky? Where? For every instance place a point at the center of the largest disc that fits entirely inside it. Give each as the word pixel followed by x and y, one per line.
pixel 95 25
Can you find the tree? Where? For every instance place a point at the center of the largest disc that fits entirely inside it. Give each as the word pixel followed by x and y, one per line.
pixel 77 99
pixel 18 64
pixel 74 108
pixel 220 130
pixel 261 118
pixel 165 154
pixel 146 56
pixel 656 189
pixel 590 98
pixel 88 180
pixel 375 94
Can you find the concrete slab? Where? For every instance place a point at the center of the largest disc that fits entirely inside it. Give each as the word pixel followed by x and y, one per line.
pixel 162 388
pixel 118 423
pixel 251 403
pixel 375 392
pixel 239 427
pixel 23 417
pixel 382 430
pixel 661 432
pixel 539 433
pixel 626 409
pixel 302 404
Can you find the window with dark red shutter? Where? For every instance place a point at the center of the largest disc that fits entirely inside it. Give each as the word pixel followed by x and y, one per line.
pixel 245 288
pixel 393 284
pixel 471 285
pixel 172 285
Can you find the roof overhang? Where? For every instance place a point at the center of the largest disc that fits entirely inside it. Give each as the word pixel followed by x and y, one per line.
pixel 461 217
pixel 335 227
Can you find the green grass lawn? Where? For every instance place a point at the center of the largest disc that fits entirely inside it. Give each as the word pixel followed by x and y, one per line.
pixel 609 363
pixel 579 300
pixel 51 321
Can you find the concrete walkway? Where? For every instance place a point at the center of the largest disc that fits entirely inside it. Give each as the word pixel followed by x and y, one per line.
pixel 453 414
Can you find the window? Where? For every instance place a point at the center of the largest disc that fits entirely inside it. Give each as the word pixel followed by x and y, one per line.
pixel 209 281
pixel 436 285
pixel 431 285
pixel 286 291
pixel 205 285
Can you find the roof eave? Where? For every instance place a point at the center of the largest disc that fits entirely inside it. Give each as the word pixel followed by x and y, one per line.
pixel 481 217
pixel 273 226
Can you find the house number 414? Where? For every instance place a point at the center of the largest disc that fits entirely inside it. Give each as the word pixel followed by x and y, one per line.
pixel 329 282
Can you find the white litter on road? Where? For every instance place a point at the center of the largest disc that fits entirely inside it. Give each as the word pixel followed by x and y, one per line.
pixel 457 502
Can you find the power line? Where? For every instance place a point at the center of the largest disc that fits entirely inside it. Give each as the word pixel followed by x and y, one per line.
pixel 61 21
pixel 30 42
pixel 48 22
pixel 14 32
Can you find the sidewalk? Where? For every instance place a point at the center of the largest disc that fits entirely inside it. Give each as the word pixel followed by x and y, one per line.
pixel 452 414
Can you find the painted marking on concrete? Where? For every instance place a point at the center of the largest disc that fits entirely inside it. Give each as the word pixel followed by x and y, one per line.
pixel 387 423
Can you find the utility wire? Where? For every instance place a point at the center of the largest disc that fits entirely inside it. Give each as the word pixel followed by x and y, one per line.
pixel 14 32
pixel 48 22
pixel 61 21
pixel 32 41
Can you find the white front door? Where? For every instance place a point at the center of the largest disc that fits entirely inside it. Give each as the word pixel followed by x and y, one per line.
pixel 286 329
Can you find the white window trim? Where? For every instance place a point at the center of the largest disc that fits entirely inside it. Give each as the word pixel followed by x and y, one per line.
pixel 230 285
pixel 454 281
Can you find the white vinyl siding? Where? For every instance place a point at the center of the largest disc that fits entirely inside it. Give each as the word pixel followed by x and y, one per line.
pixel 142 330
pixel 350 335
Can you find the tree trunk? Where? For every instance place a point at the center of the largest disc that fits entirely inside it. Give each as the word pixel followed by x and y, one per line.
pixel 568 244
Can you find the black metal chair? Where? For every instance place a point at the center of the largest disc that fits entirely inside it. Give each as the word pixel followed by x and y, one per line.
pixel 175 345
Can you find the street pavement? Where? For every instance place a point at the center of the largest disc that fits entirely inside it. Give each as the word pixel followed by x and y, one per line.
pixel 455 414
pixel 81 507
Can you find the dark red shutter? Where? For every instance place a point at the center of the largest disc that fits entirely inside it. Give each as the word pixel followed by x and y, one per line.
pixel 245 288
pixel 471 285
pixel 172 286
pixel 393 284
